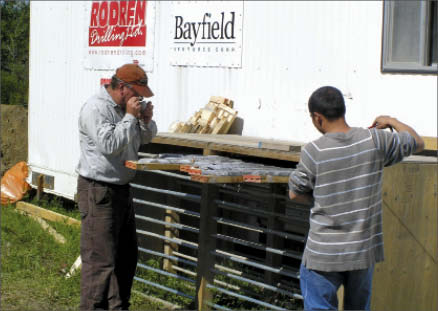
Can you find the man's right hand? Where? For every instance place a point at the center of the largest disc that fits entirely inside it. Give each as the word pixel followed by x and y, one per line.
pixel 383 122
pixel 133 106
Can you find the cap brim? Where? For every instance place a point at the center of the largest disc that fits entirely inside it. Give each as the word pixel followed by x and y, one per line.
pixel 143 90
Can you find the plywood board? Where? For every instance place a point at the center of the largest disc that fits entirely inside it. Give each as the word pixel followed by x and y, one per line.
pixel 408 278
pixel 430 143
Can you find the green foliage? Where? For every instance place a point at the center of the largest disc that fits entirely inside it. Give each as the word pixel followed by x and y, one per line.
pixel 14 52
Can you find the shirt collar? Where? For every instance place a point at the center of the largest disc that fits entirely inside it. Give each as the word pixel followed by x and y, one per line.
pixel 106 96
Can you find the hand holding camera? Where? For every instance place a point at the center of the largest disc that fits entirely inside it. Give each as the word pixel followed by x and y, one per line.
pixel 147 111
pixel 140 108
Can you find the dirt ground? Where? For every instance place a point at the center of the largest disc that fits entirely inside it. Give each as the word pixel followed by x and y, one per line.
pixel 13 136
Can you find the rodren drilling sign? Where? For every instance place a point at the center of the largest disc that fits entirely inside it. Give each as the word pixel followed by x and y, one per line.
pixel 117 23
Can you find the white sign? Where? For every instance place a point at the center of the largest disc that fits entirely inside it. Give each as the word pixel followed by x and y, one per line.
pixel 119 32
pixel 206 33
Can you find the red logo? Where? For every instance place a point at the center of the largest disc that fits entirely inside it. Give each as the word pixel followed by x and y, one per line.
pixel 104 81
pixel 117 23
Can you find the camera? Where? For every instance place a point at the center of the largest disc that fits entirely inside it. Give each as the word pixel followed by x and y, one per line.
pixel 143 103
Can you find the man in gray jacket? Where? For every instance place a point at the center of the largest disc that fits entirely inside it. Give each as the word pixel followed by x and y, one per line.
pixel 112 126
pixel 340 174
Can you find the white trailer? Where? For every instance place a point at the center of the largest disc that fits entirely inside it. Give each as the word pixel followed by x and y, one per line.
pixel 266 56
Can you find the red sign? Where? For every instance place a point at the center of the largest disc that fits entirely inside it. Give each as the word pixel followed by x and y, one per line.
pixel 117 23
pixel 104 81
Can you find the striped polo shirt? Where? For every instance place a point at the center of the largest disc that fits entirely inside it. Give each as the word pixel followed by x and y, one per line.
pixel 344 171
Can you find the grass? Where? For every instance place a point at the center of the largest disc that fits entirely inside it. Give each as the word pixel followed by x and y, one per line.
pixel 34 265
pixel 55 204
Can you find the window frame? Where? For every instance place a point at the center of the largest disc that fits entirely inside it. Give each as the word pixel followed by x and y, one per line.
pixel 418 67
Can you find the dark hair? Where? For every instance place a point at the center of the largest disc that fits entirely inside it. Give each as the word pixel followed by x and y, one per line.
pixel 328 101
pixel 114 82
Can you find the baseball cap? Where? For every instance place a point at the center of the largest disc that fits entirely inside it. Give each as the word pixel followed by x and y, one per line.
pixel 134 75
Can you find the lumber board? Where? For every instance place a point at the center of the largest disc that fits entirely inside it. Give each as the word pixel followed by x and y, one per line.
pixel 152 166
pixel 46 214
pixel 232 139
pixel 232 144
pixel 430 143
pixel 263 153
pixel 58 237
pixel 211 179
pixel 216 118
pixel 407 279
pixel 266 179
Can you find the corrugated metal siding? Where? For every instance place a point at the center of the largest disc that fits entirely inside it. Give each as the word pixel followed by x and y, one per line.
pixel 289 49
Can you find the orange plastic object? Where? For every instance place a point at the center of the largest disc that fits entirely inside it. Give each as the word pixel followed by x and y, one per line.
pixel 13 183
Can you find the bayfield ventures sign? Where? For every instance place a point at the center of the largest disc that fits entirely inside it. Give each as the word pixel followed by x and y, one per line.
pixel 206 34
pixel 119 32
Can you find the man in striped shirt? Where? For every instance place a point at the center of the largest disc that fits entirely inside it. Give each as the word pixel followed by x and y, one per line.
pixel 341 175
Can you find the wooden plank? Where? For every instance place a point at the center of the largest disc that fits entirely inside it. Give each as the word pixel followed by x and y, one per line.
pixel 278 146
pixel 341 295
pixel 218 143
pixel 204 296
pixel 408 278
pixel 229 123
pixel 170 232
pixel 263 153
pixel 58 237
pixel 247 141
pixel 152 166
pixel 158 166
pixel 209 179
pixel 430 143
pixel 207 152
pixel 267 179
pixel 40 182
pixel 252 178
pixel 207 244
pixel 217 129
pixel 46 214
pixel 218 100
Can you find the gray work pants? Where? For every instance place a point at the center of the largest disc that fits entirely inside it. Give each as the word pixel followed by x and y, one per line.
pixel 108 245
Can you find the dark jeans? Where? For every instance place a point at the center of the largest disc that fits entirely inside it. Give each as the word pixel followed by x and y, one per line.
pixel 320 288
pixel 108 245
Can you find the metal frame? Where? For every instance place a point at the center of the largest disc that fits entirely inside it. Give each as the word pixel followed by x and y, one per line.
pixel 211 262
pixel 419 67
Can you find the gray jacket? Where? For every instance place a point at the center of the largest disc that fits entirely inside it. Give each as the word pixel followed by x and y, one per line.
pixel 108 137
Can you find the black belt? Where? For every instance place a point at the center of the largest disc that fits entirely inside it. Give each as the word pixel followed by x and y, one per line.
pixel 106 184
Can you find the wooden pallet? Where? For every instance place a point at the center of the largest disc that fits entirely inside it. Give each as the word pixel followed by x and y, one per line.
pixel 215 118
